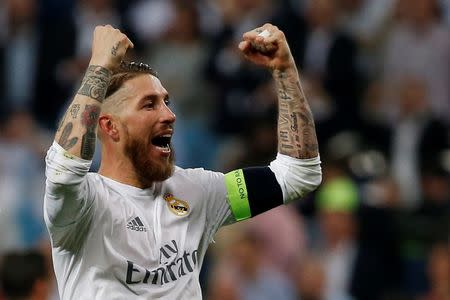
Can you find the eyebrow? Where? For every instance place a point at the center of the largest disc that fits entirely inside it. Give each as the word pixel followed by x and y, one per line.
pixel 152 97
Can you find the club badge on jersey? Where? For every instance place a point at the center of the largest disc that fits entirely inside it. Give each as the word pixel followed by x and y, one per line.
pixel 177 206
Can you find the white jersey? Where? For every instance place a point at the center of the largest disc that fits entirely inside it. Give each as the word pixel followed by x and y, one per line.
pixel 115 241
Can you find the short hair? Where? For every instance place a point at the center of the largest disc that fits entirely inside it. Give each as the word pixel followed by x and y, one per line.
pixel 127 71
pixel 19 271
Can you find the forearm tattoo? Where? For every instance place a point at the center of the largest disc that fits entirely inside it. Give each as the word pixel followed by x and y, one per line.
pixel 64 140
pixel 114 49
pixel 94 85
pixel 296 130
pixel 89 121
pixel 74 109
pixel 95 82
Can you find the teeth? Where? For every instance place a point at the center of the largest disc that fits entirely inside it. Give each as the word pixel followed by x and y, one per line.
pixel 167 135
pixel 165 148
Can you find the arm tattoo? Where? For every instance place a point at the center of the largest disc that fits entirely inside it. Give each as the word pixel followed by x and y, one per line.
pixel 64 140
pixel 89 120
pixel 74 109
pixel 95 83
pixel 114 49
pixel 296 130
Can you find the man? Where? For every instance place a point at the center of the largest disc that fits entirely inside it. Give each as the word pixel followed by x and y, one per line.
pixel 139 229
pixel 24 276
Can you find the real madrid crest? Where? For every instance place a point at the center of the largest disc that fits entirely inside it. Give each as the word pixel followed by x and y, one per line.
pixel 177 206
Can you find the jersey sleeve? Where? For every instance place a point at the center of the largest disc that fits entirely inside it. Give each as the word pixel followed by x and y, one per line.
pixel 68 203
pixel 218 211
pixel 252 191
pixel 245 193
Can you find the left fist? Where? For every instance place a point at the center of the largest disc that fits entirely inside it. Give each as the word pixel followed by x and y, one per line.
pixel 267 46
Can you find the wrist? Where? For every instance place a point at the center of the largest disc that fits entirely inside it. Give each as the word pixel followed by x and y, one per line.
pixel 97 68
pixel 286 69
pixel 288 66
pixel 102 64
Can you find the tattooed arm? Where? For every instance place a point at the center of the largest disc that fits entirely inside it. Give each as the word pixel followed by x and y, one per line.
pixel 267 46
pixel 68 209
pixel 296 170
pixel 77 130
pixel 296 130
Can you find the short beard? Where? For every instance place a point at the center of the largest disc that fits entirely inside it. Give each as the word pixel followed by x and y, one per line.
pixel 148 170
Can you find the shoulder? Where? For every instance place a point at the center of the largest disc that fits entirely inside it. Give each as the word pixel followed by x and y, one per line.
pixel 95 179
pixel 97 185
pixel 196 176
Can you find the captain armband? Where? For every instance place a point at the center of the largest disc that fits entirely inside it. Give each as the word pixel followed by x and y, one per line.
pixel 252 191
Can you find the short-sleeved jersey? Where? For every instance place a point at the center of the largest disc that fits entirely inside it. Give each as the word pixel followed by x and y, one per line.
pixel 115 241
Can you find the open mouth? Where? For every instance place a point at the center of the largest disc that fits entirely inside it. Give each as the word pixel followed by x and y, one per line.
pixel 162 142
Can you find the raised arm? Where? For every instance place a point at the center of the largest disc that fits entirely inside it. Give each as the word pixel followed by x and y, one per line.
pixel 296 170
pixel 68 204
pixel 77 131
pixel 267 46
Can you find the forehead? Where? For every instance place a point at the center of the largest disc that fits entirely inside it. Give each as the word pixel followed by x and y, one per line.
pixel 144 85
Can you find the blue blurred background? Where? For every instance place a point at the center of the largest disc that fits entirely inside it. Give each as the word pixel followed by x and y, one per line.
pixel 377 77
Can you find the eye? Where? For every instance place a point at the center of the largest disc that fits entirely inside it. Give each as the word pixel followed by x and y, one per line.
pixel 167 101
pixel 148 105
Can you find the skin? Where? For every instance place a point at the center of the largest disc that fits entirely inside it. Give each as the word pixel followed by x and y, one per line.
pixel 296 130
pixel 77 130
pixel 146 113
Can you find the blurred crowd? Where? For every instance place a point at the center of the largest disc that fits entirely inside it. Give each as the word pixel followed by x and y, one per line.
pixel 377 77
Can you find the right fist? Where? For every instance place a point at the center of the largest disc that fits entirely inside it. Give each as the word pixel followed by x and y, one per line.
pixel 109 46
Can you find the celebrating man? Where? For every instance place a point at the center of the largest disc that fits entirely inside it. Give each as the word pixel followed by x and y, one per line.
pixel 140 227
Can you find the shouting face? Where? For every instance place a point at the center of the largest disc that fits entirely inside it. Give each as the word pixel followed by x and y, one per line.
pixel 145 128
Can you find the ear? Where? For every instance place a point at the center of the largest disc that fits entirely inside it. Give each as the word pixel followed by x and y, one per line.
pixel 108 127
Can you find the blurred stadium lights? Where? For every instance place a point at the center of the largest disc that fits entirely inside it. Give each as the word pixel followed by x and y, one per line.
pixel 368 164
pixel 343 145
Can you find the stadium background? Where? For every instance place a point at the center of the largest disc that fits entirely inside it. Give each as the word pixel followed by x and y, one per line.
pixel 377 76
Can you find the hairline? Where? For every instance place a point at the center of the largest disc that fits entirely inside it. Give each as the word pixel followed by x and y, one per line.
pixel 123 85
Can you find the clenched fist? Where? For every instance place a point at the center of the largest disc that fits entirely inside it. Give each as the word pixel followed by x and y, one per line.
pixel 267 46
pixel 109 46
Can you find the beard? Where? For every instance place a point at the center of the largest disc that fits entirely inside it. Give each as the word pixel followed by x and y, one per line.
pixel 148 169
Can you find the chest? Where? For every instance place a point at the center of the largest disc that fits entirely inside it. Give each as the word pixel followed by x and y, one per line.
pixel 153 231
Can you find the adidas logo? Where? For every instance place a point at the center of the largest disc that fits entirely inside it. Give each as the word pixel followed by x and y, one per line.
pixel 136 225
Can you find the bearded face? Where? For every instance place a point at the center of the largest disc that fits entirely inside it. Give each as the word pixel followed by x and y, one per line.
pixel 148 167
pixel 140 122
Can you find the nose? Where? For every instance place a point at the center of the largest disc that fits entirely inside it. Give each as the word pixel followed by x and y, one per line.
pixel 167 115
